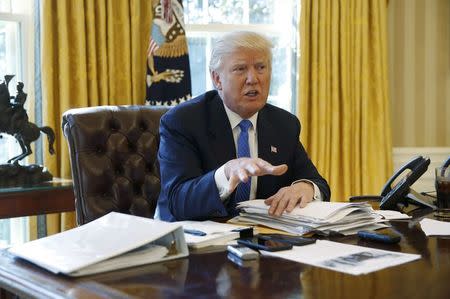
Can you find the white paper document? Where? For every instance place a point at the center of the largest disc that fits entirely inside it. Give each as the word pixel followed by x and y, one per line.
pixel 111 242
pixel 435 228
pixel 215 233
pixel 344 258
pixel 392 215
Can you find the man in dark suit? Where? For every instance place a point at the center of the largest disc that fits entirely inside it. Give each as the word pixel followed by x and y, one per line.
pixel 229 145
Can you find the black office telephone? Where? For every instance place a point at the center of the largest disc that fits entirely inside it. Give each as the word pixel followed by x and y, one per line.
pixel 397 193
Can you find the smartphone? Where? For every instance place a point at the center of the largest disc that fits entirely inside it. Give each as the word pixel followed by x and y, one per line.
pixel 243 252
pixel 384 236
pixel 262 244
pixel 294 240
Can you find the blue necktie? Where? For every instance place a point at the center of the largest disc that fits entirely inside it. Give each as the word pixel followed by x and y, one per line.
pixel 243 189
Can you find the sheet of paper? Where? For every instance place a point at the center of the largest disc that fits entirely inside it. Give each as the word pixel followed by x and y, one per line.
pixel 215 233
pixel 344 258
pixel 433 227
pixel 392 215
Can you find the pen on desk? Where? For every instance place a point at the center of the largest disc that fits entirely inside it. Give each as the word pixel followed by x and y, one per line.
pixel 194 232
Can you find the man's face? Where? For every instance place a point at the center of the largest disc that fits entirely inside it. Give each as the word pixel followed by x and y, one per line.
pixel 243 81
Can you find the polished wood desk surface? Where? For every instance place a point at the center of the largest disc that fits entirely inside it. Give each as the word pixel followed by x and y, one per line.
pixel 213 275
pixel 55 196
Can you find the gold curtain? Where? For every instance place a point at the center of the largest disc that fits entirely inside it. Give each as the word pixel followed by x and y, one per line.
pixel 93 53
pixel 343 93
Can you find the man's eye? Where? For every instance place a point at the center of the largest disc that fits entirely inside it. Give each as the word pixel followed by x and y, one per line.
pixel 239 69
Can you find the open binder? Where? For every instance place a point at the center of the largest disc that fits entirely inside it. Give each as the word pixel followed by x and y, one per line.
pixel 111 242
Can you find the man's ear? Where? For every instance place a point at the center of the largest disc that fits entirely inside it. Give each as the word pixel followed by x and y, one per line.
pixel 215 77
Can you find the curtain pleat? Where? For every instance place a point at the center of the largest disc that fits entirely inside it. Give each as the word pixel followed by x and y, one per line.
pixel 343 93
pixel 93 53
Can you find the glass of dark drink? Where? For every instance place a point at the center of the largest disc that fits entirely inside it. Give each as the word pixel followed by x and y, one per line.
pixel 442 183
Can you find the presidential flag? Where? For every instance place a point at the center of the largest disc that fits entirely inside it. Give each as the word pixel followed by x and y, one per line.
pixel 168 75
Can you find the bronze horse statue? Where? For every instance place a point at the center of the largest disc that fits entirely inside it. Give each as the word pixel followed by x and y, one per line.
pixel 14 121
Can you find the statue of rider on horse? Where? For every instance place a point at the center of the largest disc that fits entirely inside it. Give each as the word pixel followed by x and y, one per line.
pixel 14 121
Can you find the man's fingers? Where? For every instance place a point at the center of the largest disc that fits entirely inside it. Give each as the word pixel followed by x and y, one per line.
pixel 291 205
pixel 304 202
pixel 281 207
pixel 279 170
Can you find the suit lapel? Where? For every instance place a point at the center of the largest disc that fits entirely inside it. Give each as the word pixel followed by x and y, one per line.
pixel 220 133
pixel 267 146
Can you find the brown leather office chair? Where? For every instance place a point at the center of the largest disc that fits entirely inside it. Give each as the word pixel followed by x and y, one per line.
pixel 113 154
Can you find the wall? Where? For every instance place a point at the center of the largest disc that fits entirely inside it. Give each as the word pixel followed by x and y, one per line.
pixel 419 70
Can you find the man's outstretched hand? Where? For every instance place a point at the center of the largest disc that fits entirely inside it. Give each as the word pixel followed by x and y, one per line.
pixel 242 169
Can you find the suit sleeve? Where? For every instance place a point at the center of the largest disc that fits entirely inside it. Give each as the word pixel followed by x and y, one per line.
pixel 187 190
pixel 305 169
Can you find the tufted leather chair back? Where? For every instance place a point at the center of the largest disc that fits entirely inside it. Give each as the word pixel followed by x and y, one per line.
pixel 113 155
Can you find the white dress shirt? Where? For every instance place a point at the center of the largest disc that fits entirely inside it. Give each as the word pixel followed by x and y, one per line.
pixel 222 182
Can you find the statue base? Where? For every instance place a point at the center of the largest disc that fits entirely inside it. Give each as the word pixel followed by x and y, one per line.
pixel 15 175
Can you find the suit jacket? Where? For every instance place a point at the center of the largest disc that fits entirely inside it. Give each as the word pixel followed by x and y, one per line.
pixel 196 139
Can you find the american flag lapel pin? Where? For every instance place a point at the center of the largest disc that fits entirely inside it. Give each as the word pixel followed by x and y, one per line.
pixel 273 149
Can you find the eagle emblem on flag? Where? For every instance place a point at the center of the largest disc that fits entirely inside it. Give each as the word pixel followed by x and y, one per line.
pixel 168 75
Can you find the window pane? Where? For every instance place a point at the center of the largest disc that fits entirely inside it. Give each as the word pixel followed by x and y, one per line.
pixel 198 64
pixel 261 11
pixel 5 6
pixel 10 59
pixel 226 11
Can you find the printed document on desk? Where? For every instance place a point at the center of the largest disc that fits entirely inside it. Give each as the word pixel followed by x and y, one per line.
pixel 111 242
pixel 215 233
pixel 344 258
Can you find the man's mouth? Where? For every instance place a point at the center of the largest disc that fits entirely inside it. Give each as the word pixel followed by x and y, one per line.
pixel 252 93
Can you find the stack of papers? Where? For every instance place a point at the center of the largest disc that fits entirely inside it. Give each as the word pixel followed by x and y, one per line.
pixel 212 233
pixel 111 242
pixel 317 217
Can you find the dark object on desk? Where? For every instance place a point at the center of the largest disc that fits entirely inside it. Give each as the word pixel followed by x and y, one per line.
pixel 294 240
pixel 194 232
pixel 244 233
pixel 13 175
pixel 262 244
pixel 397 194
pixel 383 236
pixel 14 122
pixel 113 156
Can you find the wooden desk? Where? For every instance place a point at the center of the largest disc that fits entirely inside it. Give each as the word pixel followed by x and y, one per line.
pixel 49 197
pixel 213 275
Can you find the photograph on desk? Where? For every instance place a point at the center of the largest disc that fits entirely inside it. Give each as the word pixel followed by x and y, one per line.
pixel 106 244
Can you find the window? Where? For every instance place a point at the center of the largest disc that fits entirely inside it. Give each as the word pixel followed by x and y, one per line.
pixel 206 19
pixel 16 50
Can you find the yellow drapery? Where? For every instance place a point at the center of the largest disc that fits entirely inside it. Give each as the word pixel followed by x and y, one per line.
pixel 343 93
pixel 93 53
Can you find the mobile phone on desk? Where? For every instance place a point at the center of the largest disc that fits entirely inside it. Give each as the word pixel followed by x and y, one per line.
pixel 294 240
pixel 263 244
pixel 383 236
pixel 243 252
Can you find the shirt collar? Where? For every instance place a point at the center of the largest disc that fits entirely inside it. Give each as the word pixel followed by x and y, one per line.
pixel 235 119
